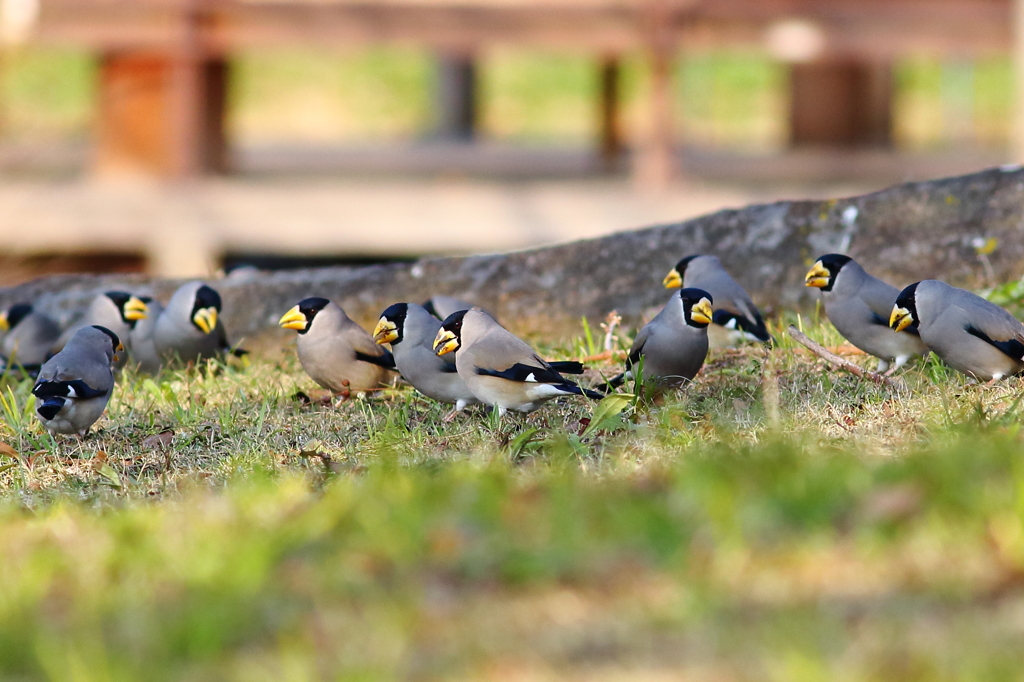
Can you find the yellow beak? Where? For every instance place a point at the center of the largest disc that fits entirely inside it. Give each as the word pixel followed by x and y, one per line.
pixel 673 280
pixel 900 318
pixel 701 312
pixel 445 342
pixel 4 324
pixel 206 319
pixel 385 331
pixel 818 276
pixel 135 309
pixel 293 319
pixel 119 349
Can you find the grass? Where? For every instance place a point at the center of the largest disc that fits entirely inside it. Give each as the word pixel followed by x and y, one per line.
pixel 775 521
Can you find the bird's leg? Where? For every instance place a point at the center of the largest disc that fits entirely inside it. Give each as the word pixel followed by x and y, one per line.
pixel 883 367
pixel 344 394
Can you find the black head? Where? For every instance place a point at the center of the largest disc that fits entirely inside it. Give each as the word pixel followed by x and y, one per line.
pixel 18 312
pixel 391 327
pixel 674 278
pixel 684 263
pixel 127 306
pixel 115 342
pixel 905 309
pixel 449 336
pixel 831 263
pixel 696 307
pixel 205 309
pixel 118 297
pixel 300 317
pixel 206 298
pixel 311 306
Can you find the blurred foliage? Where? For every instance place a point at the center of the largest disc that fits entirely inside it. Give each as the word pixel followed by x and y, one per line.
pixel 723 100
pixel 46 94
pixel 942 102
pixel 303 95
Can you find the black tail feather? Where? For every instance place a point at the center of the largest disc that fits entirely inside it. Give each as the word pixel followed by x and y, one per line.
pixel 612 384
pixel 567 366
pixel 50 408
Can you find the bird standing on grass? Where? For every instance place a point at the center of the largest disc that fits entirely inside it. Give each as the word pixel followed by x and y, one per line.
pixel 970 334
pixel 336 352
pixel 498 367
pixel 29 338
pixel 74 385
pixel 674 344
pixel 858 306
pixel 411 330
pixel 117 311
pixel 736 317
pixel 189 328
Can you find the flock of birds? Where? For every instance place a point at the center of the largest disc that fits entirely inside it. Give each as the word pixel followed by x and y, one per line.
pixel 460 355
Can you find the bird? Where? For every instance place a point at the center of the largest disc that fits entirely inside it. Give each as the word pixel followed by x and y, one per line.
pixel 499 368
pixel 441 306
pixel 29 338
pixel 971 335
pixel 736 317
pixel 336 352
pixel 117 311
pixel 189 327
pixel 859 306
pixel 141 344
pixel 410 330
pixel 674 344
pixel 74 386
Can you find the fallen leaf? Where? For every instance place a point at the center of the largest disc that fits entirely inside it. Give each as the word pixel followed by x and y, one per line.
pixel 112 477
pixel 158 440
pixel 7 451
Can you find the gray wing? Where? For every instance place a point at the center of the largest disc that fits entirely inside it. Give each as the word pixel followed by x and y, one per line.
pixel 990 322
pixel 637 349
pixel 74 366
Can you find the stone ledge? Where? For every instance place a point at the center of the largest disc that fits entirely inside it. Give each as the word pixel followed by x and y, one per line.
pixel 905 233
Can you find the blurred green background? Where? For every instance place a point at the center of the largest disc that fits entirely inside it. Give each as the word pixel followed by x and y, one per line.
pixel 729 101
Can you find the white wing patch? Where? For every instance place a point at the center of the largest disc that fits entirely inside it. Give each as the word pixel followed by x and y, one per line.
pixel 544 391
pixel 530 378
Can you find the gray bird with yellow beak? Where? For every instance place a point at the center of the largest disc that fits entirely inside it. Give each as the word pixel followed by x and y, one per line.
pixel 189 328
pixel 410 330
pixel 336 352
pixel 736 318
pixel 29 336
pixel 74 385
pixel 674 344
pixel 858 305
pixel 971 335
pixel 118 311
pixel 498 367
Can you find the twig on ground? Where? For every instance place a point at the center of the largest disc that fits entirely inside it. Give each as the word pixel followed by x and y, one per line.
pixel 839 362
pixel 606 355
